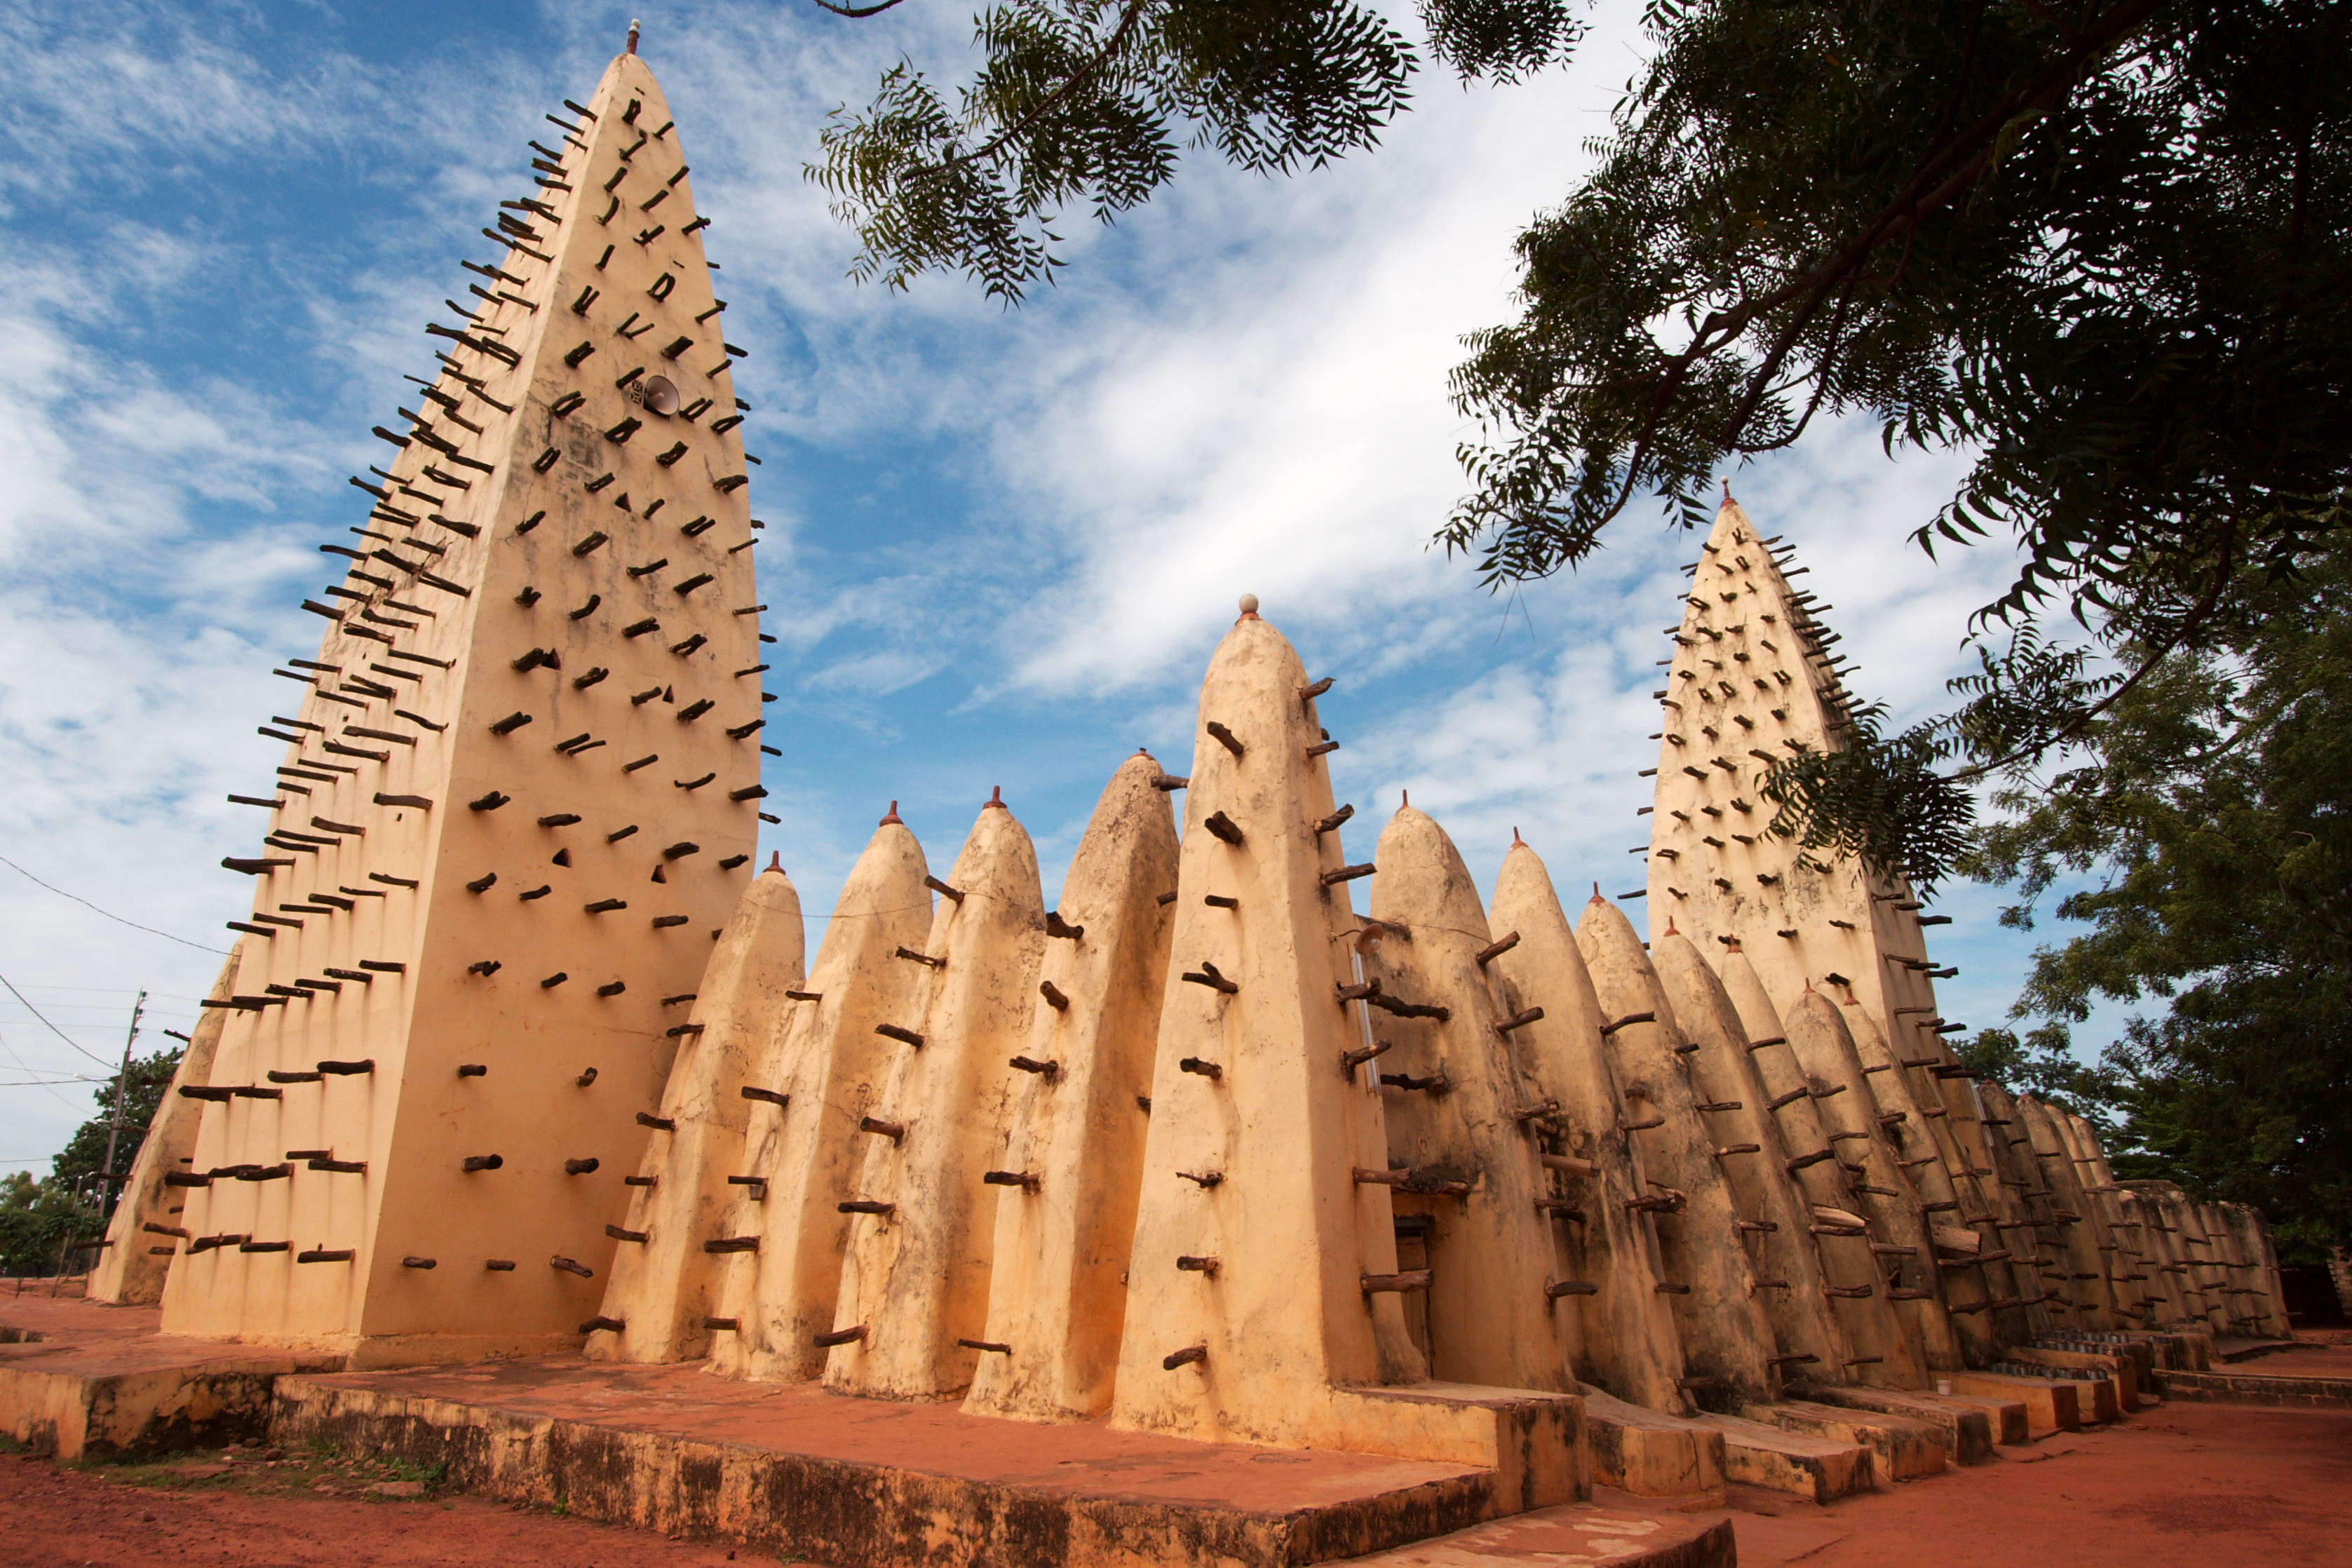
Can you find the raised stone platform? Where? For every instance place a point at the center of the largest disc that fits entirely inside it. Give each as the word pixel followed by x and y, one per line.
pixel 2284 1391
pixel 789 1467
pixel 81 1380
pixel 845 1479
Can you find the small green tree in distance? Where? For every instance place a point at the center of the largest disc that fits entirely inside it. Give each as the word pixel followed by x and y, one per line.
pixel 2208 817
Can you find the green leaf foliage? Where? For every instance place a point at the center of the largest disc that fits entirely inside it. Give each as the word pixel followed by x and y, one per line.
pixel 2209 823
pixel 2106 249
pixel 1083 104
pixel 85 1152
pixel 36 1218
pixel 2102 246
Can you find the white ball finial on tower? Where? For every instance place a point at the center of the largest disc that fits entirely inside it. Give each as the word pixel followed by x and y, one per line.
pixel 1249 607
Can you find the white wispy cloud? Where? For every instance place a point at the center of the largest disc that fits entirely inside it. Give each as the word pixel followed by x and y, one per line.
pixel 1001 544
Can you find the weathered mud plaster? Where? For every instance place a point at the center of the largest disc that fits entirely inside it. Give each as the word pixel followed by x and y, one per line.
pixel 1788 1270
pixel 2082 1230
pixel 1882 1354
pixel 1259 1123
pixel 823 1056
pixel 542 681
pixel 1621 1337
pixel 1727 1339
pixel 1057 1292
pixel 2139 1299
pixel 1754 679
pixel 1251 1162
pixel 138 1250
pixel 2035 1229
pixel 663 1287
pixel 916 1276
pixel 1456 1146
pixel 2256 1268
pixel 1964 1273
pixel 1906 1273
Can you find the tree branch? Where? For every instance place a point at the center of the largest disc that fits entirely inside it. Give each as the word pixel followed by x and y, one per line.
pixel 1036 111
pixel 2189 623
pixel 1937 180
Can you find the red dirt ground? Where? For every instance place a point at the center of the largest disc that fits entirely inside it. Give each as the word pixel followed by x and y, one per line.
pixel 55 1516
pixel 2201 1485
pixel 2186 1484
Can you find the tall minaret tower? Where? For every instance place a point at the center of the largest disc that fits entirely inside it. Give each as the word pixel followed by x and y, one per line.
pixel 517 800
pixel 1755 678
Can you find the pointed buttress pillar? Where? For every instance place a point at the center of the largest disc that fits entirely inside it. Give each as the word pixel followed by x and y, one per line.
pixel 1779 1219
pixel 1259 1124
pixel 1458 1159
pixel 2036 1240
pixel 2080 1226
pixel 1971 1273
pixel 1880 1341
pixel 1621 1336
pixel 821 1069
pixel 1726 1340
pixel 1908 1273
pixel 663 1287
pixel 1057 1292
pixel 131 1269
pixel 914 1283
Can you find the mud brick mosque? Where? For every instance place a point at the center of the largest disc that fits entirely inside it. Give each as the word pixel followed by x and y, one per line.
pixel 520 1055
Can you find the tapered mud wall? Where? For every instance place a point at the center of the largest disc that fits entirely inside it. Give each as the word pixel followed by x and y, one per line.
pixel 517 807
pixel 1057 1294
pixel 914 1281
pixel 822 1072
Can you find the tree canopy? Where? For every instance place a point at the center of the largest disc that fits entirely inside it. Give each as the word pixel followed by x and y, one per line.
pixel 1086 104
pixel 2101 245
pixel 2208 818
pixel 39 1215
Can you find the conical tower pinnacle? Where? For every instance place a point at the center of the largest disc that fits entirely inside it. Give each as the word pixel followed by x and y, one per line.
pixel 519 798
pixel 1756 677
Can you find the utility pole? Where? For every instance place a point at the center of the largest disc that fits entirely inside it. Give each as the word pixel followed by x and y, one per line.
pixel 106 1192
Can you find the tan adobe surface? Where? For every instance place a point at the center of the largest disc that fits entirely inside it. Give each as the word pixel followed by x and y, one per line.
pixel 549 689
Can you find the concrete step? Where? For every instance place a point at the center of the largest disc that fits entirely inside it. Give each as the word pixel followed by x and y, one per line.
pixel 2010 1428
pixel 2247 1349
pixel 1612 1529
pixel 2050 1406
pixel 1756 1455
pixel 2145 1354
pixel 2095 1399
pixel 1900 1448
pixel 1650 1454
pixel 2121 1369
pixel 1967 1429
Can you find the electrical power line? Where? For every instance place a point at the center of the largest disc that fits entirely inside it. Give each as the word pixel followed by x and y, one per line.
pixel 60 1034
pixel 28 1067
pixel 110 914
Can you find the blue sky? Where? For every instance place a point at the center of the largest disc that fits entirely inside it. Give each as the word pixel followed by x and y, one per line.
pixel 1001 546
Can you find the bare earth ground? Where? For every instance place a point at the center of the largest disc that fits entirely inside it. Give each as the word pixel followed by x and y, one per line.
pixel 2188 1484
pixel 2207 1485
